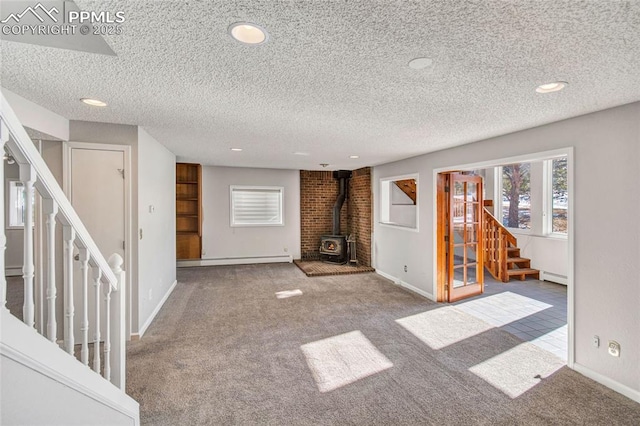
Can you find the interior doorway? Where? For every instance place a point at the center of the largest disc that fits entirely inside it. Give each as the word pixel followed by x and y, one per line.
pixel 539 311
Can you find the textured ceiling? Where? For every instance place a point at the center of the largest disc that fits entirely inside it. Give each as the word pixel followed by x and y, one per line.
pixel 333 79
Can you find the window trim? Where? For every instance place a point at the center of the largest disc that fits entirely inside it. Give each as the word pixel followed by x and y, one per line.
pixel 8 204
pixel 386 180
pixel 280 190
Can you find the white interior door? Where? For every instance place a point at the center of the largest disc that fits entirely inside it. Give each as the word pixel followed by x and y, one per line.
pixel 97 193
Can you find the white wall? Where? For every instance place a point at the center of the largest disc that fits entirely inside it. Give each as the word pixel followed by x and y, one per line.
pixel 36 117
pixel 40 384
pixel 157 222
pixel 402 211
pixel 222 242
pixel 607 239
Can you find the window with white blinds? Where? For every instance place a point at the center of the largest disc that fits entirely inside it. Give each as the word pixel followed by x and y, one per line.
pixel 256 206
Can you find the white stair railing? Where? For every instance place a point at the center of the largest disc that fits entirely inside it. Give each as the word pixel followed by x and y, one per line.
pixel 106 277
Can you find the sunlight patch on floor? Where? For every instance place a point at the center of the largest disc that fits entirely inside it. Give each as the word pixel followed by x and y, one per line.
pixel 504 308
pixel 340 360
pixel 442 327
pixel 555 342
pixel 288 293
pixel 519 369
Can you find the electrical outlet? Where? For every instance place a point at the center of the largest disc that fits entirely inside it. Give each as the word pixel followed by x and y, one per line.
pixel 596 342
pixel 614 348
pixel 405 268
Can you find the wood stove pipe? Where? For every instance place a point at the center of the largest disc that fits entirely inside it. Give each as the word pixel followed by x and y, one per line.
pixel 343 176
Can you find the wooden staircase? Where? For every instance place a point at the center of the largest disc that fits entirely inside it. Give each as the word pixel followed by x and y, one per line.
pixel 408 186
pixel 501 254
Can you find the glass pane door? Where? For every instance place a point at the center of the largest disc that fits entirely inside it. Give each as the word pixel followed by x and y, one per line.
pixel 465 229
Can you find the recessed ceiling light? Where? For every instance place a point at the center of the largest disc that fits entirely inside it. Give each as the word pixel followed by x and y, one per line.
pixel 420 63
pixel 324 164
pixel 93 102
pixel 551 87
pixel 248 33
pixel 304 154
pixel 354 156
pixel 236 149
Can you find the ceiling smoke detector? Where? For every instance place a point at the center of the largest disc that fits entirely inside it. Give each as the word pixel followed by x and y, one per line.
pixel 248 33
pixel 556 86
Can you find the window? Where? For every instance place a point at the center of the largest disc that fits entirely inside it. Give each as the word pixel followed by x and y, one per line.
pixel 17 206
pixel 257 206
pixel 560 195
pixel 516 196
pixel 399 201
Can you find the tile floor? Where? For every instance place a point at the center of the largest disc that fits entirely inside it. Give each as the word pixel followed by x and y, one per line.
pixel 535 311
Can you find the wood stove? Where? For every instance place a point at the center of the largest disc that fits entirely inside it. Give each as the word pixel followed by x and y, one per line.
pixel 333 248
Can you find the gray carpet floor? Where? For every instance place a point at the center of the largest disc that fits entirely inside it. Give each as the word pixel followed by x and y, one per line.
pixel 225 351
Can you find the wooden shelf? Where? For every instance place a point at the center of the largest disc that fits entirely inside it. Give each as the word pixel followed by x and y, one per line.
pixel 188 211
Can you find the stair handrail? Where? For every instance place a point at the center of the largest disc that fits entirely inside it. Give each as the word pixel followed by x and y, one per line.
pixel 107 280
pixel 496 240
pixel 13 134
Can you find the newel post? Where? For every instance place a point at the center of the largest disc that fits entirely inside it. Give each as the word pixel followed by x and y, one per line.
pixel 118 337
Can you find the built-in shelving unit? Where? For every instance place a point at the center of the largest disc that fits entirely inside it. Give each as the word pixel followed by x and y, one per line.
pixel 188 211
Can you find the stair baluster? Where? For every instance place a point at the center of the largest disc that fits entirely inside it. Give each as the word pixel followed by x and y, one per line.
pixel 107 337
pixel 84 327
pixel 69 235
pixel 97 275
pixel 28 177
pixel 50 208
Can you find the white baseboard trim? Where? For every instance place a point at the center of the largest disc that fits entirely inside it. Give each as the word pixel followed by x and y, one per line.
pixel 406 285
pixel 610 383
pixel 234 261
pixel 11 271
pixel 554 278
pixel 147 323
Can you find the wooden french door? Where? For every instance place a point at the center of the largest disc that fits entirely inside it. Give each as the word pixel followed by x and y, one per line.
pixel 462 236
